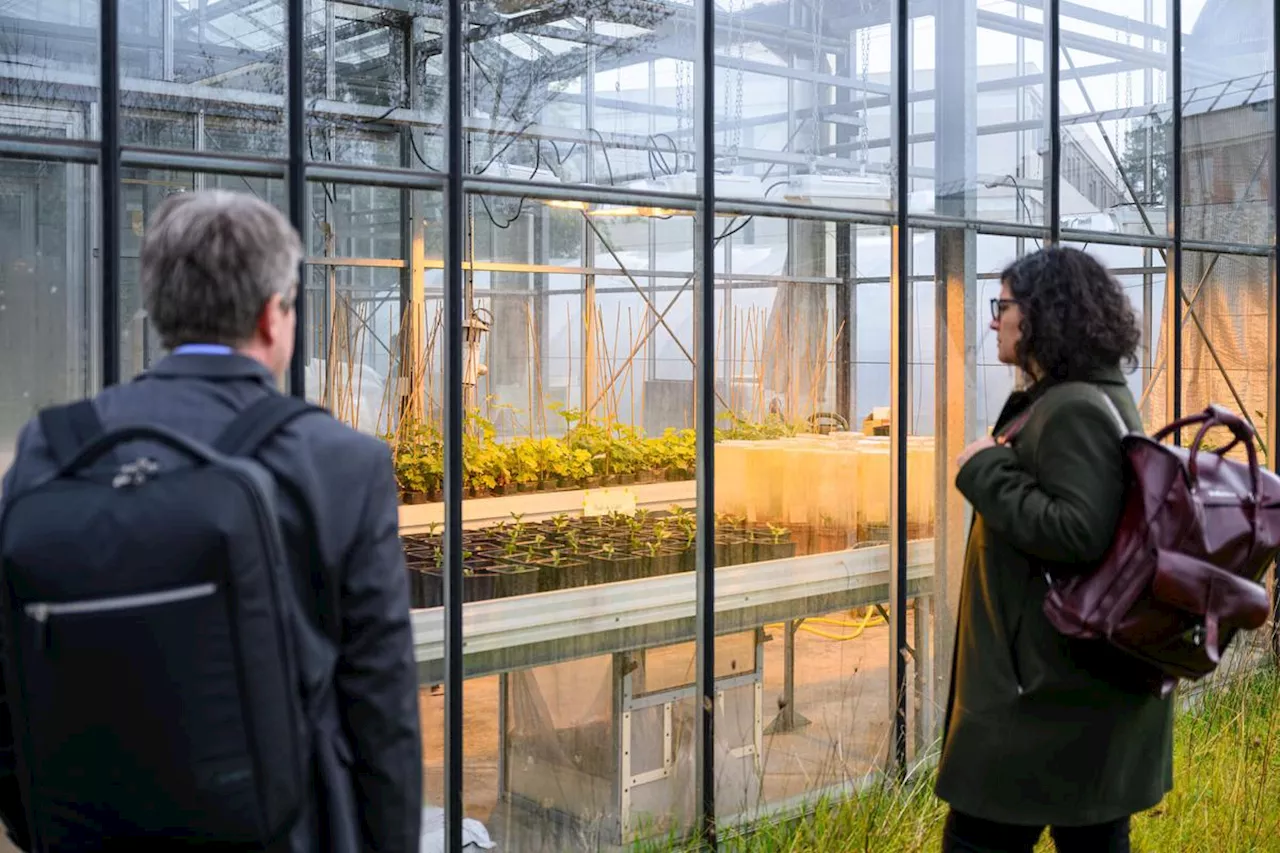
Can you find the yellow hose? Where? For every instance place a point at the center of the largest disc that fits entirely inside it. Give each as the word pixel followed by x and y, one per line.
pixel 870 618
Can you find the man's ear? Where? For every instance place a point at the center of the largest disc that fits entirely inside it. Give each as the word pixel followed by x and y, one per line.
pixel 270 320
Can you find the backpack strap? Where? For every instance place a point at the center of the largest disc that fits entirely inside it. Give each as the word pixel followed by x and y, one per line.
pixel 1011 431
pixel 259 422
pixel 67 429
pixel 245 436
pixel 1121 426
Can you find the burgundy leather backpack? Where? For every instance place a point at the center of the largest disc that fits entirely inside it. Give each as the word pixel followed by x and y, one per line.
pixel 1182 576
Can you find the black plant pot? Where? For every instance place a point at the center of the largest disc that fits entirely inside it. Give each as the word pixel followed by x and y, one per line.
pixel 478 586
pixel 417 587
pixel 566 573
pixel 767 549
pixel 515 579
pixel 612 568
pixel 668 561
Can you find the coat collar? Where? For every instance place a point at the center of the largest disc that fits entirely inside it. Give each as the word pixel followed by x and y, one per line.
pixel 1019 401
pixel 214 367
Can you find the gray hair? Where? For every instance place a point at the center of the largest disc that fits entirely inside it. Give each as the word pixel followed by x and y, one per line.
pixel 211 261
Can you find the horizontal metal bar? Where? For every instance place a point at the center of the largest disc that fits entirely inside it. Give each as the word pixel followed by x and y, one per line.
pixel 512 187
pixel 206 162
pixel 374 176
pixel 533 630
pixel 1113 238
pixel 935 222
pixel 59 150
pixel 809 212
pixel 384 263
pixel 1251 250
pixel 674 694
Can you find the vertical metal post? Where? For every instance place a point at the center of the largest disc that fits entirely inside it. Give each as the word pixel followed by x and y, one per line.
pixel 1273 417
pixel 1053 169
pixel 109 177
pixel 845 235
pixel 1148 177
pixel 409 227
pixel 166 21
pixel 705 422
pixel 844 293
pixel 454 308
pixel 590 353
pixel 296 110
pixel 1173 298
pixel 899 391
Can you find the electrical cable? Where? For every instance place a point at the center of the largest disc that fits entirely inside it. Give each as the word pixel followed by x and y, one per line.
pixel 604 149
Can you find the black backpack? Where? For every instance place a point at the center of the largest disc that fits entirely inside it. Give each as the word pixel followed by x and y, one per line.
pixel 149 621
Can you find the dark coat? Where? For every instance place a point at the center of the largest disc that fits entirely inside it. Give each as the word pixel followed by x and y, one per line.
pixel 1042 729
pixel 367 764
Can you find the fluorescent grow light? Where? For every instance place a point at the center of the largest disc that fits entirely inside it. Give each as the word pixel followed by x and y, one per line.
pixel 852 192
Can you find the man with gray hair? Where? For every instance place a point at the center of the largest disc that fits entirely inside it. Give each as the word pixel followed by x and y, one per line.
pixel 219 275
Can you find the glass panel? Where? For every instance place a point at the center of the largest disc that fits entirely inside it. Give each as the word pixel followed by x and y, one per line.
pixel 802 105
pixel 977 118
pixel 570 95
pixel 48 291
pixel 1228 80
pixel 581 738
pixel 959 387
pixel 1142 273
pixel 141 191
pixel 222 61
pixel 49 68
pixel 375 84
pixel 1224 336
pixel 1115 110
pixel 802 483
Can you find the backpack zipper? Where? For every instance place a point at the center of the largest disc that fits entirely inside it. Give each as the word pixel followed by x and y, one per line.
pixel 40 611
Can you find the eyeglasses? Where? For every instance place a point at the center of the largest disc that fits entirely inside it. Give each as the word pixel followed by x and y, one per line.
pixel 998 307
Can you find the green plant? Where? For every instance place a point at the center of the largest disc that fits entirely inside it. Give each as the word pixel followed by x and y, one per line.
pixel 587 449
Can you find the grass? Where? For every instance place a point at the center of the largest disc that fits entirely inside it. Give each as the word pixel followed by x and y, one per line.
pixel 1226 796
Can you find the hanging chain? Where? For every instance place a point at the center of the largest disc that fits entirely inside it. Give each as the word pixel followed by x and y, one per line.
pixel 816 113
pixel 681 71
pixel 737 104
pixel 728 84
pixel 864 132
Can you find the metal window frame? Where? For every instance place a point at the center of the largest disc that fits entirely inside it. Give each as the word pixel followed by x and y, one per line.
pixel 899 383
pixel 1175 295
pixel 705 422
pixel 454 306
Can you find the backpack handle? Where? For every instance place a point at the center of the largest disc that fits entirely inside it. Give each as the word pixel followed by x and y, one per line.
pixel 107 442
pixel 1242 432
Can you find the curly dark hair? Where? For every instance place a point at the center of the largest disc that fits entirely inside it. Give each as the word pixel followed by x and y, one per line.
pixel 1076 318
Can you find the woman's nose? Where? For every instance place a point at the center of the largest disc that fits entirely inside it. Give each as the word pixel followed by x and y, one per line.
pixel 995 324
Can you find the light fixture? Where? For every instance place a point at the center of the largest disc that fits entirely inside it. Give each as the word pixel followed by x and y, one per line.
pixel 851 192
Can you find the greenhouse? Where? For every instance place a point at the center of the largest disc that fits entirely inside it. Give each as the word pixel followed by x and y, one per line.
pixel 691 297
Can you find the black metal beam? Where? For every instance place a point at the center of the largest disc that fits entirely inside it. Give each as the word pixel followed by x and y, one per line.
pixel 1053 170
pixel 297 125
pixel 1273 417
pixel 454 312
pixel 1175 218
pixel 109 177
pixel 705 423
pixel 899 392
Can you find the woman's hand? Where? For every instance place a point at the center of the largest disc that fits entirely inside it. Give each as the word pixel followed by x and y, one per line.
pixel 973 450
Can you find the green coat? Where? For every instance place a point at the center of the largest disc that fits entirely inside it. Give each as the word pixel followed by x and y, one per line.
pixel 1041 729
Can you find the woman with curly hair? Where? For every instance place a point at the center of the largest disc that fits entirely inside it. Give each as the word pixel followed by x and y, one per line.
pixel 1042 730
